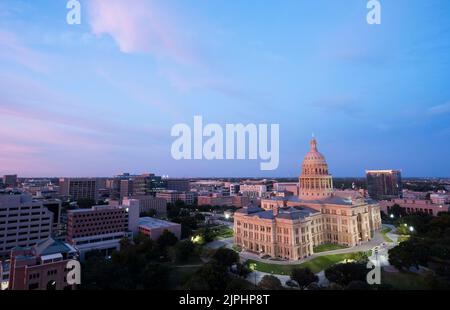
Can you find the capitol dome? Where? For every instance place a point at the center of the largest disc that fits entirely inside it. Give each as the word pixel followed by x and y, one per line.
pixel 315 181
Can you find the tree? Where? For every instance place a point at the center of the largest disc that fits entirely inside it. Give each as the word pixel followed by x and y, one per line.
pixel 155 277
pixel 199 217
pixel 397 211
pixel 211 276
pixel 180 204
pixel 226 257
pixel 238 284
pixel 207 234
pixel 269 282
pixel 242 270
pixel 410 253
pixel 167 239
pixel 188 224
pixel 183 251
pixel 343 274
pixel 173 211
pixel 304 277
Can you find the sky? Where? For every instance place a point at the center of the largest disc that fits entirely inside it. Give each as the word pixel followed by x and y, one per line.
pixel 101 98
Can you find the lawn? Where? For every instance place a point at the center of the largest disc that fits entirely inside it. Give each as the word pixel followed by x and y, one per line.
pixel 404 280
pixel 402 238
pixel 223 232
pixel 384 233
pixel 328 247
pixel 316 265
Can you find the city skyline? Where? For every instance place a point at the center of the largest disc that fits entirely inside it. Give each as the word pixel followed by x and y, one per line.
pixel 99 98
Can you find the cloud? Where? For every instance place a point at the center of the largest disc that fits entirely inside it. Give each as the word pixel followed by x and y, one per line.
pixel 138 26
pixel 440 109
pixel 13 49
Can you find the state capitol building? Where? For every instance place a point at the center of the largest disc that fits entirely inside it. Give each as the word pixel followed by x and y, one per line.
pixel 289 227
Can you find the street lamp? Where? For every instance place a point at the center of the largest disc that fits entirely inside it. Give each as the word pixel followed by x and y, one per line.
pixel 253 268
pixel 392 216
pixel 411 229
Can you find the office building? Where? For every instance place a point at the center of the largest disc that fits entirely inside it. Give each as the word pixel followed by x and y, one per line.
pixel 10 180
pixel 79 188
pixel 148 184
pixel 41 267
pixel 411 206
pixel 291 187
pixel 384 184
pixel 102 227
pixel 23 221
pixel 148 203
pixel 173 196
pixel 180 185
pixel 253 190
pixel 154 228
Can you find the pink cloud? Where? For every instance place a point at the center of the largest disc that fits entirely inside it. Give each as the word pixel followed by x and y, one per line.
pixel 138 26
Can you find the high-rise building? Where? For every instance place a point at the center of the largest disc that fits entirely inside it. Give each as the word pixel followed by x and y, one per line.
pixel 181 185
pixel 23 221
pixel 148 203
pixel 126 188
pixel 173 196
pixel 148 184
pixel 102 227
pixel 10 180
pixel 384 184
pixel 79 188
pixel 41 267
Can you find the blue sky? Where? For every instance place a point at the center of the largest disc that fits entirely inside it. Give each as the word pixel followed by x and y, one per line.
pixel 100 98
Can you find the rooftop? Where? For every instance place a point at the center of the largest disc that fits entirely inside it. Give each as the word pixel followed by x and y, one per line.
pixel 293 213
pixel 150 222
pixel 334 200
pixel 51 246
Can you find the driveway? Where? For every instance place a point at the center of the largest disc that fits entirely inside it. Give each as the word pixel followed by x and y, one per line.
pixel 217 244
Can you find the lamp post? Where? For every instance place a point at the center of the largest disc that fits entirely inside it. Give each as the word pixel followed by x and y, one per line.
pixel 253 268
